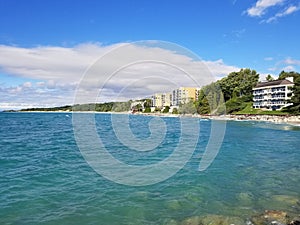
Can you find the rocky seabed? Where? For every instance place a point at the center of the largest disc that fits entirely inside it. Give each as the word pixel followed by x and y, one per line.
pixel 290 216
pixel 268 217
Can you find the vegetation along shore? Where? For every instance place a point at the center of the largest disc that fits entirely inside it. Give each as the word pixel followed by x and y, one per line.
pixel 231 95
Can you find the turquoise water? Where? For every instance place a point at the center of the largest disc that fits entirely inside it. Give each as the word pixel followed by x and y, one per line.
pixel 45 180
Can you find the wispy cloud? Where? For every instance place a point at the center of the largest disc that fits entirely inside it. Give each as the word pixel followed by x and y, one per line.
pixel 280 8
pixel 261 6
pixel 239 33
pixel 268 58
pixel 287 64
pixel 234 36
pixel 53 73
pixel 290 61
pixel 289 10
pixel 219 68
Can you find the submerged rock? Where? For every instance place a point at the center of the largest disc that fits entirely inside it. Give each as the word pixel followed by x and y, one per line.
pixel 213 220
pixel 195 220
pixel 173 204
pixel 294 222
pixel 223 220
pixel 271 217
pixel 170 222
pixel 192 197
pixel 245 198
pixel 279 202
pixel 286 199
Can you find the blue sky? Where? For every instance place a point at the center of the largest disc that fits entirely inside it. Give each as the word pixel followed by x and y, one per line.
pixel 226 34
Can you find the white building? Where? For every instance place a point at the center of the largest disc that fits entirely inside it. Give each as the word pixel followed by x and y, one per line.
pixel 161 100
pixel 272 95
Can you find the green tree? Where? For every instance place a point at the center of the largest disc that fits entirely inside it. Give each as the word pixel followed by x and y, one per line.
pixel 235 104
pixel 175 111
pixel 166 109
pixel 284 75
pixel 202 104
pixel 147 103
pixel 203 107
pixel 269 77
pixel 147 110
pixel 138 107
pixel 295 100
pixel 295 108
pixel 211 100
pixel 239 83
pixel 187 108
pixel 121 106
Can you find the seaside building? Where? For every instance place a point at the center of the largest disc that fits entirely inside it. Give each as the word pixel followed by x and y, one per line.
pixel 178 96
pixel 183 95
pixel 161 100
pixel 272 95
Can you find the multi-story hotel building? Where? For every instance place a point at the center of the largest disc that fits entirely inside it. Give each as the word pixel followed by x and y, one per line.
pixel 178 96
pixel 183 95
pixel 160 100
pixel 272 95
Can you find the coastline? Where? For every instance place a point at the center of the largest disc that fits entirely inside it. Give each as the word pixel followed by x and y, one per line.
pixel 290 119
pixel 284 119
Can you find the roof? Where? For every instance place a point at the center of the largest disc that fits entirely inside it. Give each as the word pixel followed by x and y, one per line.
pixel 273 83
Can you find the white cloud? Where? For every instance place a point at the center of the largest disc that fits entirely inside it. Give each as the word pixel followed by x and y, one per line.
pixel 16 105
pixel 219 68
pixel 27 85
pixel 280 8
pixel 268 58
pixel 291 61
pixel 55 72
pixel 289 10
pixel 50 62
pixel 289 68
pixel 262 6
pixel 262 76
pixel 287 64
pixel 25 96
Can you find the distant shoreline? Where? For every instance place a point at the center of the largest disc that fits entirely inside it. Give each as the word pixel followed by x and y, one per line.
pixel 286 119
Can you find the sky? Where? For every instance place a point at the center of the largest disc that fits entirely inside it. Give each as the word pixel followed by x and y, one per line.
pixel 58 52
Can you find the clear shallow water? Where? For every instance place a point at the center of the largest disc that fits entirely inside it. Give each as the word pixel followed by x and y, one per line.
pixel 45 180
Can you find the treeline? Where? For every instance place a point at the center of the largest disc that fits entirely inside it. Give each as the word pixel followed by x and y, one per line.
pixel 228 95
pixel 233 93
pixel 295 108
pixel 98 107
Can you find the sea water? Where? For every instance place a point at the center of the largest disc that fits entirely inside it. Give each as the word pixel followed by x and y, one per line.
pixel 44 178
